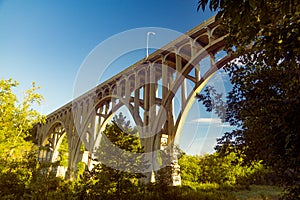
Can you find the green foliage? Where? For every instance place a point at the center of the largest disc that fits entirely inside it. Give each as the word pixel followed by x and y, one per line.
pixel 21 176
pixel 162 177
pixel 183 192
pixel 23 179
pixel 15 176
pixel 43 186
pixel 114 177
pixel 17 151
pixel 63 152
pixel 264 102
pixel 17 119
pixel 189 168
pixel 221 170
pixel 80 169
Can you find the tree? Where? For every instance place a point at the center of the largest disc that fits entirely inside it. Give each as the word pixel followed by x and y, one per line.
pixel 264 103
pixel 17 119
pixel 220 170
pixel 115 177
pixel 17 151
pixel 189 169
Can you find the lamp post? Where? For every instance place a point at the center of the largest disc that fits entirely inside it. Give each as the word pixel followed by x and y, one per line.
pixel 148 34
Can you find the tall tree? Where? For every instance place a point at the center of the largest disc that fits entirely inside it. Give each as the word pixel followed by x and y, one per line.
pixel 17 152
pixel 118 152
pixel 17 119
pixel 264 103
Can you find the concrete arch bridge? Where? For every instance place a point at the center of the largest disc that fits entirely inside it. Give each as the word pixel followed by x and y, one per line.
pixel 147 89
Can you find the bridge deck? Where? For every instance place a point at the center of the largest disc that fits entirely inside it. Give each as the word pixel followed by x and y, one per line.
pixel 193 33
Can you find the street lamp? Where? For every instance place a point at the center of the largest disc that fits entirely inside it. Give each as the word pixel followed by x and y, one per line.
pixel 148 33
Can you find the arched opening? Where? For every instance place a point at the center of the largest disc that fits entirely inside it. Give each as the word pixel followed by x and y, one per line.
pixel 54 153
pixel 119 143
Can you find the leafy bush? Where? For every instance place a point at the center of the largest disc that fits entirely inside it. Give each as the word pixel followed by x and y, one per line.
pixel 222 170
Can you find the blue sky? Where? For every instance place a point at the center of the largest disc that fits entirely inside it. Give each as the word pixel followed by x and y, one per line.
pixel 47 42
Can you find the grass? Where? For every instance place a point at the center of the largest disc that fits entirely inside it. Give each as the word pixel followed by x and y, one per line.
pixel 195 192
pixel 259 192
pixel 215 191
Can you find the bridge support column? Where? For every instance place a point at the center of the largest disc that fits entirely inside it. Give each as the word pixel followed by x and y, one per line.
pixel 151 157
pixel 170 174
pixel 74 143
pixel 175 168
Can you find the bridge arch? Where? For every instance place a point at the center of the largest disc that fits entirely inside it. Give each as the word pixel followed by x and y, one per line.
pixel 187 68
pixel 50 128
pixel 54 149
pixel 104 109
pixel 147 89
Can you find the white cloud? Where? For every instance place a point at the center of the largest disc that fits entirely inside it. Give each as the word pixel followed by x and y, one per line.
pixel 207 120
pixel 210 121
pixel 225 125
